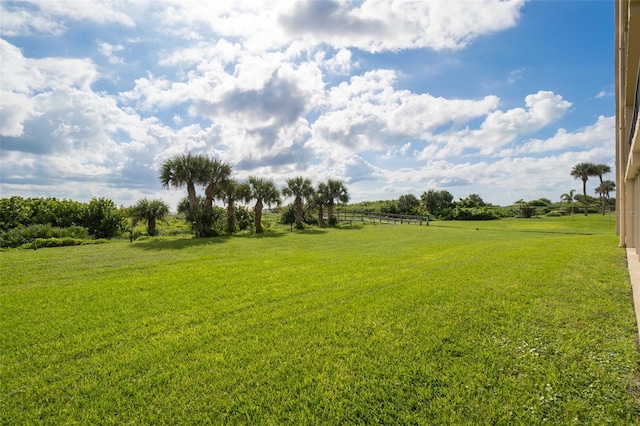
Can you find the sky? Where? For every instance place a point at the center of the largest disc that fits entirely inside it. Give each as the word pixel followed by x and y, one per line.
pixel 497 98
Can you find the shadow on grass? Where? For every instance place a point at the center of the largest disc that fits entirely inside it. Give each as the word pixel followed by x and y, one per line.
pixel 178 244
pixel 533 231
pixel 314 231
pixel 265 234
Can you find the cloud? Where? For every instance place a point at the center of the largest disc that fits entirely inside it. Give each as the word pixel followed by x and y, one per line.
pixel 376 26
pixel 109 51
pixel 598 134
pixel 48 16
pixel 367 113
pixel 500 128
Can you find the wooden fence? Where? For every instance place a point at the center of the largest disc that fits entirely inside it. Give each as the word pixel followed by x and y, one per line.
pixel 384 218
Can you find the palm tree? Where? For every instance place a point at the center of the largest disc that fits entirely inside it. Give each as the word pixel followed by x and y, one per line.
pixel 318 200
pixel 149 211
pixel 300 188
pixel 568 197
pixel 264 192
pixel 219 175
pixel 584 171
pixel 601 169
pixel 186 170
pixel 230 192
pixel 603 190
pixel 335 190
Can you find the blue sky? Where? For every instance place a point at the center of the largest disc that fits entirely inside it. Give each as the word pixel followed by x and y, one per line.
pixel 498 98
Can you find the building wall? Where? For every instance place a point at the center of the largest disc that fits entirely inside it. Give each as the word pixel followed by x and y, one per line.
pixel 627 67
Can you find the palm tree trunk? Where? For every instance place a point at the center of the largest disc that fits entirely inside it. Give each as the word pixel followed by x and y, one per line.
pixel 320 216
pixel 231 217
pixel 151 227
pixel 208 192
pixel 330 211
pixel 258 216
pixel 584 191
pixel 298 212
pixel 191 193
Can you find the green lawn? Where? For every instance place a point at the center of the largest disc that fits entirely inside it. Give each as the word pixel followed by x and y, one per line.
pixel 502 322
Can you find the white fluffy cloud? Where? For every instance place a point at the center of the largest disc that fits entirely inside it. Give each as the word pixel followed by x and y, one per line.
pixel 500 128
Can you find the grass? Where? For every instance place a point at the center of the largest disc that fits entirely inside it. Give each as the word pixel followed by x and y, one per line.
pixel 503 322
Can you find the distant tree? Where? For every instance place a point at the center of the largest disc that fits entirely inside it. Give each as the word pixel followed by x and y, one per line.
pixel 584 171
pixel 477 200
pixel 301 188
pixel 149 211
pixel 408 203
pixel 103 219
pixel 334 191
pixel 568 198
pixel 435 202
pixel 264 192
pixel 603 191
pixel 186 170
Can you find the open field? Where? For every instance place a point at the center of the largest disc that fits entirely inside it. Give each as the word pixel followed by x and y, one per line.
pixel 515 322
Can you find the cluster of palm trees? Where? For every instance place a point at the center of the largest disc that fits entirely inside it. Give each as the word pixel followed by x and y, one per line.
pixel 192 171
pixel 586 170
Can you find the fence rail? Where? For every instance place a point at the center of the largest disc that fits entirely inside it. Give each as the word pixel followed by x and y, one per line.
pixel 384 218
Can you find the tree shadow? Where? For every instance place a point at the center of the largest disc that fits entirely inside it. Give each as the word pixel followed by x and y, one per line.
pixel 314 231
pixel 178 244
pixel 266 234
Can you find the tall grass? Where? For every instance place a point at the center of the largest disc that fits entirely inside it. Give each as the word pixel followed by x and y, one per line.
pixel 508 322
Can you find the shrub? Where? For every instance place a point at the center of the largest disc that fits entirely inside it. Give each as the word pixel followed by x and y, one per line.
pixel 474 213
pixel 103 219
pixel 24 235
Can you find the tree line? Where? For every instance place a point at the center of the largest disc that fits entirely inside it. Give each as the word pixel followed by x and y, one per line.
pixel 214 177
pixel 100 218
pixel 584 171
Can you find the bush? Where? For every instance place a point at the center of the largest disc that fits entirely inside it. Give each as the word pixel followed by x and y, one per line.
pixel 103 219
pixel 60 242
pixel 244 218
pixel 474 213
pixel 24 235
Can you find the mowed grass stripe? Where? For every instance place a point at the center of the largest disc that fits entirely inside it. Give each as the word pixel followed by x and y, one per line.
pixel 373 324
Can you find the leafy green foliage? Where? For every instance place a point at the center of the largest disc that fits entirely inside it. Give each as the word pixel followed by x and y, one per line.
pixel 438 203
pixel 103 219
pixel 288 216
pixel 205 221
pixel 21 235
pixel 244 218
pixel 16 211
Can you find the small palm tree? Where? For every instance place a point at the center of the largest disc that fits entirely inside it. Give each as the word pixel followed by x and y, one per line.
pixel 603 190
pixel 568 198
pixel 186 170
pixel 230 192
pixel 149 211
pixel 335 190
pixel 264 192
pixel 301 188
pixel 318 200
pixel 219 175
pixel 584 171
